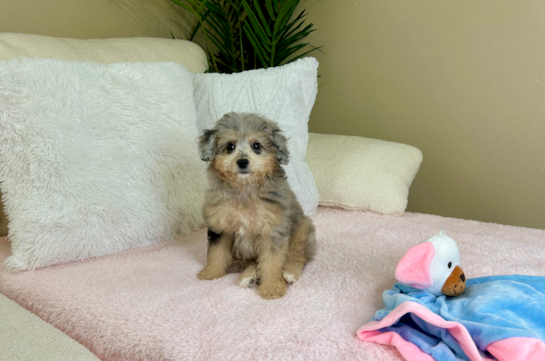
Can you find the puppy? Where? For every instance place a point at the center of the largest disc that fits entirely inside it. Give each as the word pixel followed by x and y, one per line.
pixel 254 219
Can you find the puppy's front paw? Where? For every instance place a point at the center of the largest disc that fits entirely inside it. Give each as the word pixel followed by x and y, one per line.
pixel 272 290
pixel 210 274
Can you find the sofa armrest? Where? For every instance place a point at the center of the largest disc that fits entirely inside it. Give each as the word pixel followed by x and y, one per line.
pixel 25 336
pixel 359 173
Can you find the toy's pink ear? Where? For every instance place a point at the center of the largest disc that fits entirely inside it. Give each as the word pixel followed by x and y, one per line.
pixel 414 267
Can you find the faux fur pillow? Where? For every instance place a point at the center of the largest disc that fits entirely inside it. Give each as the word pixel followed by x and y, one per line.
pixel 284 94
pixel 96 158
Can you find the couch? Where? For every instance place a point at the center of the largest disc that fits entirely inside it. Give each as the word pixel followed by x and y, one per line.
pixel 146 303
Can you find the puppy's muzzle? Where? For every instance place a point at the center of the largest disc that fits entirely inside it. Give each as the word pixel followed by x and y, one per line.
pixel 243 163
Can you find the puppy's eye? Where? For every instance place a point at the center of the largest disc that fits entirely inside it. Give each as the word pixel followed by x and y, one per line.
pixel 256 146
pixel 230 147
pixel 449 264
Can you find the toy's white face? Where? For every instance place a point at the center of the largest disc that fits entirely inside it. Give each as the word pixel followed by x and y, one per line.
pixel 446 258
pixel 433 266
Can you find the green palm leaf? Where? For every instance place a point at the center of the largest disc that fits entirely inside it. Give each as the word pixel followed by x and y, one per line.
pixel 249 34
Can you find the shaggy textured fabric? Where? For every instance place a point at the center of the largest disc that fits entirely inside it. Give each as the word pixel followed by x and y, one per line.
pixel 362 174
pixel 147 303
pixel 285 94
pixel 96 158
pixel 24 336
pixel 107 51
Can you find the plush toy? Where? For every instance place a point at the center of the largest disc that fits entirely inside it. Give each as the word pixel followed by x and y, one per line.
pixel 433 266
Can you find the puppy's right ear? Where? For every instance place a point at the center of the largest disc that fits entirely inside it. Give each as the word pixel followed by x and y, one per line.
pixel 207 144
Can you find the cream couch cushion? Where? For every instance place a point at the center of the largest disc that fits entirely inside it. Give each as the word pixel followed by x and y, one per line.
pixel 25 336
pixel 362 174
pixel 183 52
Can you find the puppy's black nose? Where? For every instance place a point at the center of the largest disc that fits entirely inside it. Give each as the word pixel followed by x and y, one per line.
pixel 243 163
pixel 463 277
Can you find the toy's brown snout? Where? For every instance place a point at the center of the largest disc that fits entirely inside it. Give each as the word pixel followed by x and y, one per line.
pixel 455 283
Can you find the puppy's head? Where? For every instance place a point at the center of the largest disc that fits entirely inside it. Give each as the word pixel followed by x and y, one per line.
pixel 244 148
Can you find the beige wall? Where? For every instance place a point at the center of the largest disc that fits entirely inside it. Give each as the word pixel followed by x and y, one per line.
pixel 86 19
pixel 463 80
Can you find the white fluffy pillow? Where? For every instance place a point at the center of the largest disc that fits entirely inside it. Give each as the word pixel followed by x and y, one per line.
pixel 361 173
pixel 283 94
pixel 95 158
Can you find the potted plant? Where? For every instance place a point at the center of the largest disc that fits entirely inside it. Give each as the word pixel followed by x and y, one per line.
pixel 249 34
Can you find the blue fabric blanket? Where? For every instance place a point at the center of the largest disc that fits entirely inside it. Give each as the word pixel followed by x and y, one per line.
pixel 491 309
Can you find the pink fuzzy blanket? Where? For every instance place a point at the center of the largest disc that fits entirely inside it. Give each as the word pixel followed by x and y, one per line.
pixel 147 304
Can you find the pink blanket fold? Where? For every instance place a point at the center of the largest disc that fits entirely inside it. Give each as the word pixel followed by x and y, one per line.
pixel 147 304
pixel 509 349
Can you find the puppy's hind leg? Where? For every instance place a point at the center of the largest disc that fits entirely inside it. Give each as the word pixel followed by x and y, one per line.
pixel 248 277
pixel 219 256
pixel 301 249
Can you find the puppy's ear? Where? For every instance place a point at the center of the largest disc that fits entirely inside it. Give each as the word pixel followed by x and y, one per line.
pixel 280 142
pixel 207 144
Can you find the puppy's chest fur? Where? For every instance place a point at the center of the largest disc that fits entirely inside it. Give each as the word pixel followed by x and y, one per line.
pixel 246 217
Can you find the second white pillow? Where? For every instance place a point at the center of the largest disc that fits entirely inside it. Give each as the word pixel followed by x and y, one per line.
pixel 283 94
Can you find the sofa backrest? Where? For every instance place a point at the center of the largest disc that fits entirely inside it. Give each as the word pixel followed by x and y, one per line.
pixel 183 52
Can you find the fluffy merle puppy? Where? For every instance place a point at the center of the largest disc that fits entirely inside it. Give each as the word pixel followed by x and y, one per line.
pixel 255 223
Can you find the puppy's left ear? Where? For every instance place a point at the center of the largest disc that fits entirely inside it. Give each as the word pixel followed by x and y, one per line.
pixel 207 144
pixel 280 142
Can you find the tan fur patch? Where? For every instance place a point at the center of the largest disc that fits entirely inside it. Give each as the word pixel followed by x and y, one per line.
pixel 247 216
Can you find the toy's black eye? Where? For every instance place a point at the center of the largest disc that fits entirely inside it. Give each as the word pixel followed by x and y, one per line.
pixel 449 264
pixel 231 147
